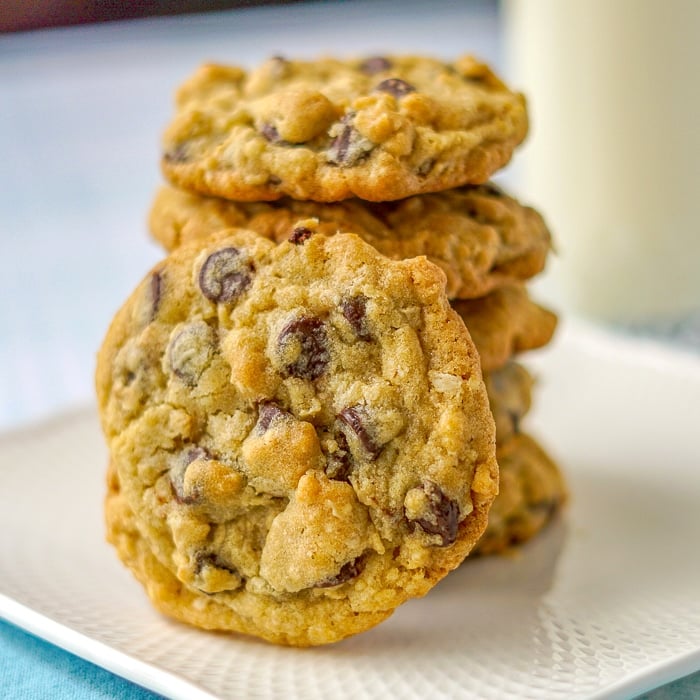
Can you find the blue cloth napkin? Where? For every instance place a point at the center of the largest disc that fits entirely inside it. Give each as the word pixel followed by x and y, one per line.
pixel 687 688
pixel 32 669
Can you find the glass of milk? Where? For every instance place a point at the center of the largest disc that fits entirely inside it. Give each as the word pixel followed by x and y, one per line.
pixel 613 156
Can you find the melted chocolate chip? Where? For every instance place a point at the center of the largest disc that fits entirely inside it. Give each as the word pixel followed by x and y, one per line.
pixel 347 572
pixel 338 151
pixel 395 86
pixel 267 413
pixel 374 65
pixel 225 275
pixel 176 480
pixel 300 235
pixel 197 452
pixel 354 310
pixel 177 473
pixel 348 147
pixel 354 417
pixel 270 133
pixel 190 351
pixel 443 519
pixel 313 357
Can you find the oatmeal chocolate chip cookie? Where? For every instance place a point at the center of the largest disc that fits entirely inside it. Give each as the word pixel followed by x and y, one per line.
pixel 532 491
pixel 504 323
pixel 479 236
pixel 301 432
pixel 510 395
pixel 378 129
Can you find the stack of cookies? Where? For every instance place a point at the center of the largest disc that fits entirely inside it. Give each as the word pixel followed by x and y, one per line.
pixel 307 402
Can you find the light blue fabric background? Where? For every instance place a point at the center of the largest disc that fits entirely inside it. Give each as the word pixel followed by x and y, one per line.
pixel 31 669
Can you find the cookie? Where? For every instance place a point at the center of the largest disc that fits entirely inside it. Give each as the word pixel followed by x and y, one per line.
pixel 379 128
pixel 301 431
pixel 510 396
pixel 532 491
pixel 504 323
pixel 479 235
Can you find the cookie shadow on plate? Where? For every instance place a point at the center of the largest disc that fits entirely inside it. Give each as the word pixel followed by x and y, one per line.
pixel 460 611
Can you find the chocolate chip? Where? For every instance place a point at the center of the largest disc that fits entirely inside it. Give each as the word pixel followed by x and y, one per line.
pixel 178 469
pixel 300 234
pixel 177 477
pixel 515 417
pixel 337 153
pixel 425 167
pixel 354 311
pixel 178 154
pixel 279 65
pixel 355 417
pixel 443 516
pixel 478 78
pixel 270 133
pixel 190 351
pixel 307 336
pixel 225 275
pixel 204 559
pixel 267 413
pixel 197 452
pixel 375 64
pixel 348 146
pixel 154 293
pixel 214 574
pixel 395 86
pixel 347 572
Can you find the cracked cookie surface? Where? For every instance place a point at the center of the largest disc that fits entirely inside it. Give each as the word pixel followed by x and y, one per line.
pixel 300 433
pixel 479 236
pixel 379 128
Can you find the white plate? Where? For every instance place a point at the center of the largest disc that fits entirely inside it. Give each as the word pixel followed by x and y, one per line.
pixel 605 603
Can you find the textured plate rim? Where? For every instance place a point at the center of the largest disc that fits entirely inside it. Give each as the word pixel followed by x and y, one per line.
pixel 125 665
